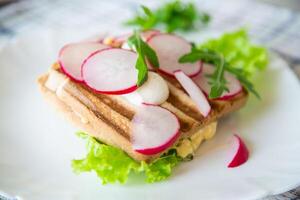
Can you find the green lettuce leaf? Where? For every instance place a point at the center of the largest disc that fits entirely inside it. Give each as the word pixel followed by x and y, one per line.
pixel 113 165
pixel 239 52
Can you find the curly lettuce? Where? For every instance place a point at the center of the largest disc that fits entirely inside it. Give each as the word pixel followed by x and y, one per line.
pixel 113 165
pixel 239 52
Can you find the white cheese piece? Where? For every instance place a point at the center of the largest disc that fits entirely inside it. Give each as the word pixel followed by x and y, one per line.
pixel 53 82
pixel 154 91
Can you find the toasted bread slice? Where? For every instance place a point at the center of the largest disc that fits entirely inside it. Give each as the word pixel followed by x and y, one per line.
pixel 108 117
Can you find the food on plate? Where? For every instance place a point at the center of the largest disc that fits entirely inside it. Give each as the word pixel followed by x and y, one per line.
pixel 241 153
pixel 139 107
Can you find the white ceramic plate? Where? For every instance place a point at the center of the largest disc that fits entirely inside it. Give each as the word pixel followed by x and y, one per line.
pixel 37 146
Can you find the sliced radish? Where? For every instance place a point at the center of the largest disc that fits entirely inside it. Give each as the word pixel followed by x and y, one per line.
pixel 71 57
pixel 111 71
pixel 144 35
pixel 149 33
pixel 194 92
pixel 154 129
pixel 233 84
pixel 241 154
pixel 169 48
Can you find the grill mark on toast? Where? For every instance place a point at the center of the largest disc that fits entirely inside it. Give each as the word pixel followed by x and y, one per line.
pixel 100 114
pixel 120 108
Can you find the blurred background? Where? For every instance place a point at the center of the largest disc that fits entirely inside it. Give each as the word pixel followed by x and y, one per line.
pixel 273 23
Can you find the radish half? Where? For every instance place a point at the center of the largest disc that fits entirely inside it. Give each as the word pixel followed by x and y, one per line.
pixel 194 92
pixel 71 57
pixel 241 153
pixel 154 129
pixel 111 71
pixel 233 84
pixel 169 48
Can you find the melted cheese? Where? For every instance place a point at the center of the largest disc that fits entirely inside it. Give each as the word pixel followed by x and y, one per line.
pixel 190 145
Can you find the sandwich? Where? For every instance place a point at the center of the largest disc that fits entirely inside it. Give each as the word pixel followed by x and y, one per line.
pixel 133 96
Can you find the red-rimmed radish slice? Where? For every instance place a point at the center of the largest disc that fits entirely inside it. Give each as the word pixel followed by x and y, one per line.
pixel 111 71
pixel 233 84
pixel 194 92
pixel 144 35
pixel 154 129
pixel 71 57
pixel 169 48
pixel 241 154
pixel 116 41
pixel 149 33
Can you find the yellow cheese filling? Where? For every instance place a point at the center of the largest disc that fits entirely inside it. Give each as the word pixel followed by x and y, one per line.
pixel 188 146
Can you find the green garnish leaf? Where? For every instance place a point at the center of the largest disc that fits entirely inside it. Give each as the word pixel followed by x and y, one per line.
pixel 144 52
pixel 172 16
pixel 113 165
pixel 234 53
pixel 216 79
pixel 147 11
pixel 144 21
pixel 239 74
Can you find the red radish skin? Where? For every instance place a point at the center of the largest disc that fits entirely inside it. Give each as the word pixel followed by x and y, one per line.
pixel 117 92
pixel 234 85
pixel 71 57
pixel 161 148
pixel 130 72
pixel 149 33
pixel 194 92
pixel 224 98
pixel 241 155
pixel 154 129
pixel 169 48
pixel 229 97
pixel 69 75
pixel 172 75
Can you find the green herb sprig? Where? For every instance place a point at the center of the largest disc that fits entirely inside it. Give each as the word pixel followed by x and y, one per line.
pixel 172 16
pixel 217 79
pixel 145 52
